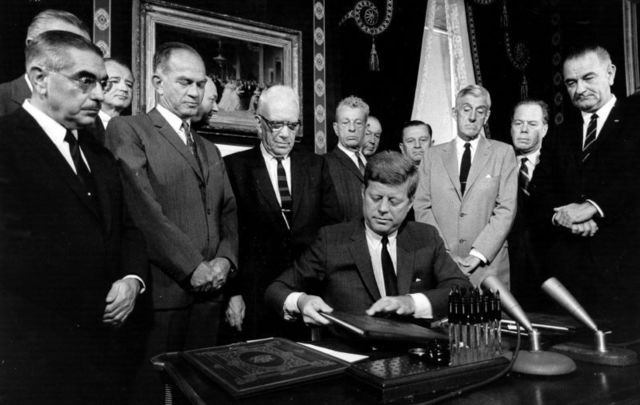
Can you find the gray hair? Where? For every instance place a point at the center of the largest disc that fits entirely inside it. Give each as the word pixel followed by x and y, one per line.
pixel 353 102
pixel 543 106
pixel 49 49
pixel 41 20
pixel 475 90
pixel 273 94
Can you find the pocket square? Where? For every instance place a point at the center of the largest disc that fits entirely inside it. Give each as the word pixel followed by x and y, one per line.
pixel 488 176
pixel 417 280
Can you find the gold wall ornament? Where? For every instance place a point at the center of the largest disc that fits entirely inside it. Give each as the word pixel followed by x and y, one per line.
pixel 366 16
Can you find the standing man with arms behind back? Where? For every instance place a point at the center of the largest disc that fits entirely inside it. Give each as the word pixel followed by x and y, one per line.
pixel 346 162
pixel 180 197
pixel 468 191
pixel 588 188
pixel 278 215
pixel 71 260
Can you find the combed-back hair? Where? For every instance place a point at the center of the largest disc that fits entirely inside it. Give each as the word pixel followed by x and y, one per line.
pixel 416 123
pixel 49 49
pixel 531 101
pixel 577 51
pixel 475 90
pixel 274 93
pixel 40 21
pixel 392 168
pixel 353 102
pixel 163 53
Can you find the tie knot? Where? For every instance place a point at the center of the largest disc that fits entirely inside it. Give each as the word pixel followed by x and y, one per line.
pixel 594 117
pixel 70 138
pixel 385 240
pixel 467 145
pixel 185 126
pixel 524 160
pixel 357 155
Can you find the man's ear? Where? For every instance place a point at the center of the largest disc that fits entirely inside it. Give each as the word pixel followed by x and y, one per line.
pixel 335 128
pixel 38 78
pixel 611 73
pixel 156 80
pixel 486 119
pixel 259 127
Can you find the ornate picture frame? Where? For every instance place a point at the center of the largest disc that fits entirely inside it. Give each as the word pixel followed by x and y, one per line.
pixel 242 56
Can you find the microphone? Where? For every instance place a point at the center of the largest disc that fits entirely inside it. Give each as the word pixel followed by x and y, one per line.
pixel 533 361
pixel 613 356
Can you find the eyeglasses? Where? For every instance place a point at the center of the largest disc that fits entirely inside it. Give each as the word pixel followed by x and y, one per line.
pixel 277 126
pixel 85 82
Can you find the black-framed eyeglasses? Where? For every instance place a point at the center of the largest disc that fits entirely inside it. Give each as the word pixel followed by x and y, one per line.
pixel 277 126
pixel 86 83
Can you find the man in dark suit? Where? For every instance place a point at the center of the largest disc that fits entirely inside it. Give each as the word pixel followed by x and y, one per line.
pixel 278 216
pixel 346 162
pixel 529 126
pixel 179 194
pixel 377 265
pixel 588 188
pixel 71 264
pixel 13 93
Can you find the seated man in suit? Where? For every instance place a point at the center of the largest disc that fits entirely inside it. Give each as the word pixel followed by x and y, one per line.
pixel 372 134
pixel 284 196
pixel 346 162
pixel 468 191
pixel 71 263
pixel 375 265
pixel 13 93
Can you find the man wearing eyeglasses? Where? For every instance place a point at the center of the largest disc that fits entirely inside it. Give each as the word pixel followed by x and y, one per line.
pixel 180 197
pixel 468 191
pixel 346 162
pixel 72 264
pixel 284 195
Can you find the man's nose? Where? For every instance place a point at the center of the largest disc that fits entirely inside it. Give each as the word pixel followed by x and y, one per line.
pixel 214 107
pixel 97 93
pixel 384 205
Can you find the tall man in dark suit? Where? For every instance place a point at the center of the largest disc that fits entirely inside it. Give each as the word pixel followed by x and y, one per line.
pixel 13 93
pixel 529 126
pixel 588 187
pixel 346 162
pixel 70 262
pixel 375 265
pixel 284 196
pixel 180 197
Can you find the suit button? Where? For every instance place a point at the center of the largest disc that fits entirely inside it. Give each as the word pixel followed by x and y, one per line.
pixel 462 214
pixel 461 241
pixel 208 211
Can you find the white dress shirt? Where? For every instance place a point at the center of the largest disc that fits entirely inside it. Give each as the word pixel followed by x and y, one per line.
pixel 174 121
pixel 603 114
pixel 105 118
pixel 533 158
pixel 272 168
pixel 352 155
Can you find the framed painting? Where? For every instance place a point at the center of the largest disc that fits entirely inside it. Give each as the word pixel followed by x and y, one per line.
pixel 242 57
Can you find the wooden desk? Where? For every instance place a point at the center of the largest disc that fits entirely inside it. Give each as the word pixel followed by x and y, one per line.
pixel 589 385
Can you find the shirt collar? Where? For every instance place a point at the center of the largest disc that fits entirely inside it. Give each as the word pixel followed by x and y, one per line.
pixel 104 117
pixel 351 153
pixel 532 157
pixel 378 238
pixel 268 156
pixel 474 142
pixel 51 127
pixel 26 78
pixel 174 121
pixel 603 112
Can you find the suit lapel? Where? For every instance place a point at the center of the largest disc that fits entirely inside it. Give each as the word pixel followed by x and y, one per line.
pixel 172 137
pixel 298 183
pixel 98 172
pixel 348 163
pixel 264 187
pixel 609 129
pixel 360 253
pixel 450 162
pixel 479 161
pixel 202 154
pixel 405 256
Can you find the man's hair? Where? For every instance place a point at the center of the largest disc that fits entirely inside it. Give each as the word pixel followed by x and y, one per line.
pixel 49 49
pixel 577 51
pixel 530 101
pixel 274 93
pixel 353 102
pixel 39 22
pixel 164 51
pixel 392 169
pixel 117 61
pixel 416 123
pixel 475 90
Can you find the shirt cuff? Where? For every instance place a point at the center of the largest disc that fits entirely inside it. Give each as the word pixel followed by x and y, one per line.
pixel 422 306
pixel 597 207
pixel 142 284
pixel 476 253
pixel 290 307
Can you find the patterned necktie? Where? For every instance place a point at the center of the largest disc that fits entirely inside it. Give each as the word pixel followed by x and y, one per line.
pixel 523 176
pixel 465 166
pixel 360 164
pixel 285 196
pixel 84 175
pixel 193 148
pixel 590 138
pixel 390 280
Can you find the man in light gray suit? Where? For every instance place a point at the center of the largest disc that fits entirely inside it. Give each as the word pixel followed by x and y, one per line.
pixel 468 191
pixel 179 195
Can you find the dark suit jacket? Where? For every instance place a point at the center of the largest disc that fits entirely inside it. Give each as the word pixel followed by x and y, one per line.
pixel 13 94
pixel 186 216
pixel 601 268
pixel 60 252
pixel 338 268
pixel 267 246
pixel 348 182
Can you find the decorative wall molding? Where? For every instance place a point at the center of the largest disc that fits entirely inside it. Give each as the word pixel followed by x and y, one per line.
pixel 102 26
pixel 319 79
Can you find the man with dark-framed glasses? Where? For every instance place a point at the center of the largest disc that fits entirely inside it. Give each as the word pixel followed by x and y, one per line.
pixel 284 196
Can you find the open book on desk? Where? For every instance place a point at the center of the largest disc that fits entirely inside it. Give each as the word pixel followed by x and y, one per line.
pixel 377 328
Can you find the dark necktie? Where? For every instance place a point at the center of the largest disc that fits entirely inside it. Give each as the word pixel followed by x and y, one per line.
pixel 390 283
pixel 84 175
pixel 590 138
pixel 523 176
pixel 360 164
pixel 193 148
pixel 285 197
pixel 465 165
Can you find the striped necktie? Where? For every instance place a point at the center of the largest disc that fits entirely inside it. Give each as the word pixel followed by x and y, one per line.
pixel 285 196
pixel 193 148
pixel 523 176
pixel 590 137
pixel 360 164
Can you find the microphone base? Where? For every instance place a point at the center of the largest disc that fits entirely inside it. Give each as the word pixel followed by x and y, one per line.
pixel 614 356
pixel 542 363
